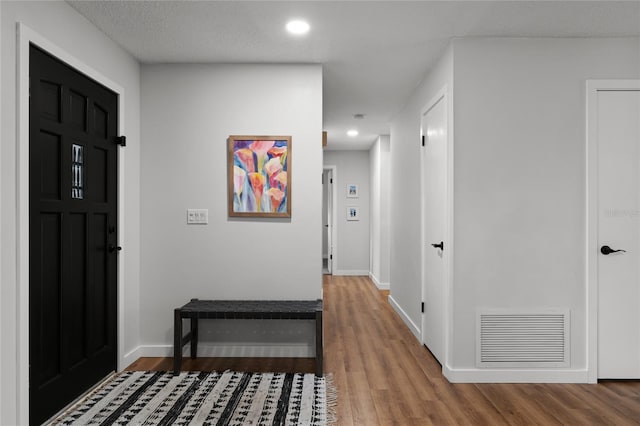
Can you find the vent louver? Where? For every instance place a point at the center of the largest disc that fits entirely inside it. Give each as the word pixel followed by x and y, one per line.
pixel 508 338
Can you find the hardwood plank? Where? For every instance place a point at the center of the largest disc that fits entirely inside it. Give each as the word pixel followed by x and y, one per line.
pixel 472 405
pixel 385 376
pixel 363 410
pixel 518 408
pixel 344 408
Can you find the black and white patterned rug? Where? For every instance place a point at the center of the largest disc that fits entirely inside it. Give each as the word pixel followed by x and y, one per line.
pixel 205 398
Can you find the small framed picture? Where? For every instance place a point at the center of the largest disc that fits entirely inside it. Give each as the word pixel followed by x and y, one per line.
pixel 353 213
pixel 352 191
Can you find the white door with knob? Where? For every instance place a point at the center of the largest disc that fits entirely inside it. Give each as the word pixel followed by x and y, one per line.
pixel 614 129
pixel 434 207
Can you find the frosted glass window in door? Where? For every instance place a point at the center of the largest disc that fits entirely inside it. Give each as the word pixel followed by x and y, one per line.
pixel 77 172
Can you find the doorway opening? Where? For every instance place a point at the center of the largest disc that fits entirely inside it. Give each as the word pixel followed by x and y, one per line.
pixel 328 220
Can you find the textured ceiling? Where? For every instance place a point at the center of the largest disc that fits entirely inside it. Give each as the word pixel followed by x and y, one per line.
pixel 374 53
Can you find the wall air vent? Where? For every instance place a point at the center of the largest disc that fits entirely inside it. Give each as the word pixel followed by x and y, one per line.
pixel 523 339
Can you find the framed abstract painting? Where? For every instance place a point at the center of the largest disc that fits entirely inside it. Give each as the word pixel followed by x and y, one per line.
pixel 259 180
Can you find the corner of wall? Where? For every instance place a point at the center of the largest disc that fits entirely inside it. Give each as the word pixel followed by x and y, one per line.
pixel 405 318
pixel 129 358
pixel 380 285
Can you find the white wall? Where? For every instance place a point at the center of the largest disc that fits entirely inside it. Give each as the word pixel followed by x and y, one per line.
pixel 61 26
pixel 188 112
pixel 405 198
pixel 379 167
pixel 351 250
pixel 520 176
pixel 519 187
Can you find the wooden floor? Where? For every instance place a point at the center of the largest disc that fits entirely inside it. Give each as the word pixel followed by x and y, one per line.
pixel 385 377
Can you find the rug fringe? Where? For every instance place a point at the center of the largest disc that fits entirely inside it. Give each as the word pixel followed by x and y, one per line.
pixel 332 399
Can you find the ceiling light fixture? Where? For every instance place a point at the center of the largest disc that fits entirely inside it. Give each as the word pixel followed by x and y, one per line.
pixel 353 133
pixel 298 27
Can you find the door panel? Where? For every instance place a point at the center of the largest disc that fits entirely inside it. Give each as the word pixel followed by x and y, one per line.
pixel 72 222
pixel 50 224
pixel 618 138
pixel 434 128
pixel 50 173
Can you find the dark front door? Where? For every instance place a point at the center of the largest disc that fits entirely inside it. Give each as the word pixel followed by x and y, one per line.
pixel 72 234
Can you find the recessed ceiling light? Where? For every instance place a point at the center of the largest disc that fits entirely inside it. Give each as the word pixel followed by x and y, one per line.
pixel 298 27
pixel 353 133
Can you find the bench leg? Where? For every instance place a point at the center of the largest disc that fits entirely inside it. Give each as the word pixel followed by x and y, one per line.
pixel 194 337
pixel 319 342
pixel 177 342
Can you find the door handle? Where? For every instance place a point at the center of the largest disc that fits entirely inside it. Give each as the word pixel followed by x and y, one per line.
pixel 439 245
pixel 606 250
pixel 113 248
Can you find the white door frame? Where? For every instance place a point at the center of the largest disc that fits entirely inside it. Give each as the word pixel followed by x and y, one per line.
pixel 593 86
pixel 333 250
pixel 26 36
pixel 443 95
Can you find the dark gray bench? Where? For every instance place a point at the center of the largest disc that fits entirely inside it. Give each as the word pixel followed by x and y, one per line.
pixel 196 310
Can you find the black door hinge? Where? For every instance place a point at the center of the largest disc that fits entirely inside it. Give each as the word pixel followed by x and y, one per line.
pixel 422 307
pixel 422 140
pixel 120 140
pixel 331 256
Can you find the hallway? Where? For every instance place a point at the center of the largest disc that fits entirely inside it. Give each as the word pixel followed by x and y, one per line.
pixel 385 377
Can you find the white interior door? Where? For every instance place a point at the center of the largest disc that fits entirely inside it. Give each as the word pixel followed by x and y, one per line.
pixel 434 166
pixel 618 156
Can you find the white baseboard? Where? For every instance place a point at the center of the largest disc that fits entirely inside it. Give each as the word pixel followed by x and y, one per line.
pixel 403 315
pixel 129 358
pixel 206 349
pixel 477 375
pixel 351 272
pixel 381 286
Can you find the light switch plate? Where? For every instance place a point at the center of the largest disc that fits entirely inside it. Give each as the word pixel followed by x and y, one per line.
pixel 197 216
